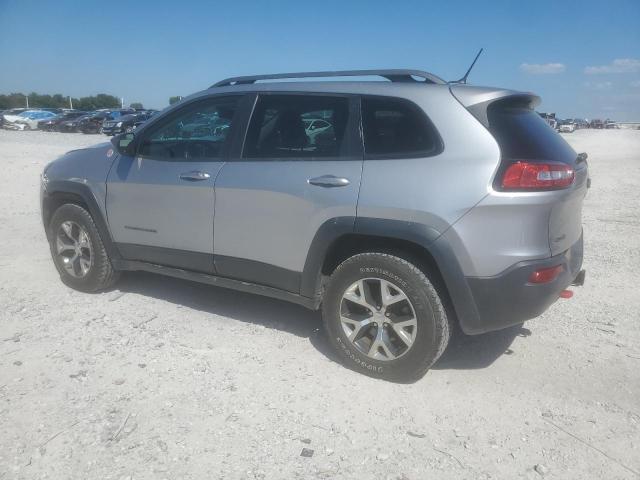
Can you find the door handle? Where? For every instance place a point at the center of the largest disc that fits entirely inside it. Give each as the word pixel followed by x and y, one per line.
pixel 328 181
pixel 194 176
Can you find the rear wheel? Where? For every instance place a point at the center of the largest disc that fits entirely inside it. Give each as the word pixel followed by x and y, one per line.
pixel 384 317
pixel 78 251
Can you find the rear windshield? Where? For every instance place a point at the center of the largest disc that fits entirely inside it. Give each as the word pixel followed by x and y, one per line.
pixel 523 135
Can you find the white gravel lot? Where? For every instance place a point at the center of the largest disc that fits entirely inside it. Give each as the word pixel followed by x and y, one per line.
pixel 166 379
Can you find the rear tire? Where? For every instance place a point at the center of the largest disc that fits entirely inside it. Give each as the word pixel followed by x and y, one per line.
pixel 78 251
pixel 384 317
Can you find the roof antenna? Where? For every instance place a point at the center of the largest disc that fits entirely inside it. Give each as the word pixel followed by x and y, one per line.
pixel 464 79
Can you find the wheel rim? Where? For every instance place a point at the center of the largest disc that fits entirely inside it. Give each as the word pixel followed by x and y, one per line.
pixel 73 246
pixel 378 319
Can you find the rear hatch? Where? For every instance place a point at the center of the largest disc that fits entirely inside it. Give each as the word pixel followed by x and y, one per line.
pixel 526 139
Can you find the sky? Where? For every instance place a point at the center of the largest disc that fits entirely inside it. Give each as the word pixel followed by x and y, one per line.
pixel 581 57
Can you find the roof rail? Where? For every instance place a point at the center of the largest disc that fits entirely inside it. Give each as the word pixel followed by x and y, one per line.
pixel 395 75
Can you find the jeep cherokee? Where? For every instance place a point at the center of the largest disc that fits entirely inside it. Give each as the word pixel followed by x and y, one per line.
pixel 399 207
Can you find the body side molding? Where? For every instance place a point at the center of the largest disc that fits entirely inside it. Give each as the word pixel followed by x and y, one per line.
pixel 132 265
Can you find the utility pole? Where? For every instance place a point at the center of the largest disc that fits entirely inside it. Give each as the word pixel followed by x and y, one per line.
pixel 70 103
pixel 27 97
pixel 121 102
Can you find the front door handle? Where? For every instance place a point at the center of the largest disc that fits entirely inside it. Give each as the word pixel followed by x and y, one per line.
pixel 194 176
pixel 328 181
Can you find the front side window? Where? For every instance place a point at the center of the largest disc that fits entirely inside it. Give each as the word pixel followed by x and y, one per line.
pixel 300 126
pixel 396 127
pixel 198 132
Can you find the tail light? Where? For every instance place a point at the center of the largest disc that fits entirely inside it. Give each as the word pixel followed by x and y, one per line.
pixel 546 275
pixel 532 176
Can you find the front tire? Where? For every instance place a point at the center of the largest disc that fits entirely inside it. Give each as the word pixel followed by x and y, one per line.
pixel 384 317
pixel 78 251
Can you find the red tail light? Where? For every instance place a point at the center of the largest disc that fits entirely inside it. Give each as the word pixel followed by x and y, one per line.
pixel 537 176
pixel 546 275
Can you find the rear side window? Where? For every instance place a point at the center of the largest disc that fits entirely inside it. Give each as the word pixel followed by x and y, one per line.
pixel 394 127
pixel 523 135
pixel 297 126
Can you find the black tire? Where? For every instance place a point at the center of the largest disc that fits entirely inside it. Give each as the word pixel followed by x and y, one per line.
pixel 433 328
pixel 101 274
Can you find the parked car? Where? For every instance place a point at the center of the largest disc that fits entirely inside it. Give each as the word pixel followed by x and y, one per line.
pixel 581 123
pixel 610 124
pixel 10 116
pixel 11 113
pixel 140 121
pixel 17 122
pixel 29 120
pixel 566 126
pixel 397 225
pixel 72 124
pixel 597 124
pixel 125 123
pixel 318 129
pixel 52 124
pixel 550 118
pixel 94 123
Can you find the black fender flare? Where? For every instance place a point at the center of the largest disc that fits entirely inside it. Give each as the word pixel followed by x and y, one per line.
pixel 61 188
pixel 426 237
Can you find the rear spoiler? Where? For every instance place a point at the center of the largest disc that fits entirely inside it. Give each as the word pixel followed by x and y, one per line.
pixel 478 99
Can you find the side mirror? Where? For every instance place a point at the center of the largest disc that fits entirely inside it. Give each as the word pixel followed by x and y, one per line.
pixel 124 143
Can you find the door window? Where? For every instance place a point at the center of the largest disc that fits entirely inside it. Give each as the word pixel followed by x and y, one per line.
pixel 196 133
pixel 300 126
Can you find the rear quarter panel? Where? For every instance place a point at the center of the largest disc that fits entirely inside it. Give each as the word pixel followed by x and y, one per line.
pixel 434 191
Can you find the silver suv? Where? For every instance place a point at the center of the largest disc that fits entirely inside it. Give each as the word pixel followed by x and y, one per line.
pixel 400 207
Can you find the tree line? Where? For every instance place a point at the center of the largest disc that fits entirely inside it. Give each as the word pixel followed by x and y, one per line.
pixel 36 100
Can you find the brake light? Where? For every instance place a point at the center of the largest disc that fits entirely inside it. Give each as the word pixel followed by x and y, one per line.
pixel 546 275
pixel 537 176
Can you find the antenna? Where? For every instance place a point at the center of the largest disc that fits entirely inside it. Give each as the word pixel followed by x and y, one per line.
pixel 464 79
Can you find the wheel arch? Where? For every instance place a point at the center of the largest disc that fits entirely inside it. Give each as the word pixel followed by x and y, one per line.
pixel 61 192
pixel 417 243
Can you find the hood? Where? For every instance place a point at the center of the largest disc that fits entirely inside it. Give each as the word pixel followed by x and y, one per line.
pixel 82 164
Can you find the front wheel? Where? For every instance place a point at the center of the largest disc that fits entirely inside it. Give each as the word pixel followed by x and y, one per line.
pixel 384 317
pixel 78 251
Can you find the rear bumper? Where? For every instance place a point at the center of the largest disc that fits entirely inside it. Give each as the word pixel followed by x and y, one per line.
pixel 509 299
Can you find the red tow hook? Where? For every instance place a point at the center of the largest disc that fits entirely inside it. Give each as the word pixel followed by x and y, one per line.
pixel 566 294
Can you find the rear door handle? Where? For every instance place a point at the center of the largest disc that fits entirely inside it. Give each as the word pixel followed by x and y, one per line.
pixel 328 181
pixel 194 176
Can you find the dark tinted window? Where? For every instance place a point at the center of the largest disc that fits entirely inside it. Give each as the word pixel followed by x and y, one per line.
pixel 301 126
pixel 523 135
pixel 396 127
pixel 197 132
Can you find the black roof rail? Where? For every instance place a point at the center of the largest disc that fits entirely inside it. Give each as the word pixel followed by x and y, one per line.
pixel 395 75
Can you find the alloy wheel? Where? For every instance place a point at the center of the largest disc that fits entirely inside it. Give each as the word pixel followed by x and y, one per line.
pixel 73 246
pixel 378 319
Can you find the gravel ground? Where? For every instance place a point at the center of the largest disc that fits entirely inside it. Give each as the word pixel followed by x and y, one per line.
pixel 167 379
